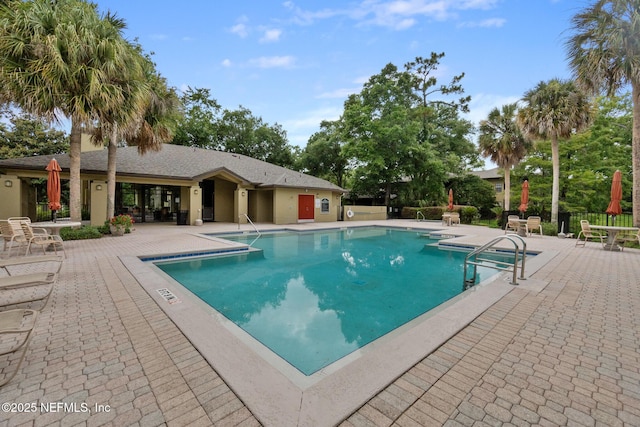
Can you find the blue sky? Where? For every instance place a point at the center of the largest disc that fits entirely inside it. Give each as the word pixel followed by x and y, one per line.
pixel 295 62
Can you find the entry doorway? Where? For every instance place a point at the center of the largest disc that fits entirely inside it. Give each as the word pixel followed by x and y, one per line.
pixel 306 207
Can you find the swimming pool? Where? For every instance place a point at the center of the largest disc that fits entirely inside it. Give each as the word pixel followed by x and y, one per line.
pixel 315 297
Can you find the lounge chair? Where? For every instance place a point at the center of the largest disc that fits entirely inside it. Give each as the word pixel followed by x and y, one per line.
pixel 513 224
pixel 6 263
pixel 35 237
pixel 12 234
pixel 587 233
pixel 10 283
pixel 16 328
pixel 534 223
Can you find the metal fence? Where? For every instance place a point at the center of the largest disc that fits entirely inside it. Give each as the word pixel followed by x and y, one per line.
pixel 43 213
pixel 624 220
pixel 569 222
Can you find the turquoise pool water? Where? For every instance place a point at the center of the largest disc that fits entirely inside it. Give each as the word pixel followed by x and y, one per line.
pixel 313 298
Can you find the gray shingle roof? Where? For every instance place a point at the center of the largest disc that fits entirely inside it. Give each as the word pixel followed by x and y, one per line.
pixel 182 163
pixel 488 174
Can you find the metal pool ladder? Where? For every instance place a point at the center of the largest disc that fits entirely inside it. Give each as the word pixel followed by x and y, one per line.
pixel 475 259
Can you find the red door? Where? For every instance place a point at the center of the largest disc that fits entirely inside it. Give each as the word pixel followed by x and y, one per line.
pixel 305 207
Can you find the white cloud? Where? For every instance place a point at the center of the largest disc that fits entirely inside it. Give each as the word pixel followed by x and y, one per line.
pixel 273 62
pixel 271 35
pixel 226 62
pixel 341 93
pixel 159 36
pixel 481 104
pixel 300 129
pixel 487 23
pixel 396 14
pixel 240 30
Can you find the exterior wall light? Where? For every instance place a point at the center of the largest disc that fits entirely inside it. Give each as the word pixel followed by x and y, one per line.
pixel 8 183
pixel 98 187
pixel 195 191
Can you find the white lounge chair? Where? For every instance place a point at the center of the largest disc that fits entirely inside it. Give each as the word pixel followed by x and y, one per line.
pixel 587 233
pixel 19 282
pixel 16 328
pixel 35 237
pixel 513 224
pixel 534 223
pixel 11 262
pixel 12 235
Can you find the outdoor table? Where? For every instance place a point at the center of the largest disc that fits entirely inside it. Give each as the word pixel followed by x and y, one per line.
pixel 54 227
pixel 446 217
pixel 612 232
pixel 522 229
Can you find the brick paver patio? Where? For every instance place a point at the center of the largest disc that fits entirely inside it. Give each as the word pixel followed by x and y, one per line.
pixel 567 355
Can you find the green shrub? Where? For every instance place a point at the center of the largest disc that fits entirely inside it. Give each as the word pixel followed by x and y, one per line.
pixel 82 233
pixel 430 212
pixel 469 214
pixel 549 229
pixel 104 228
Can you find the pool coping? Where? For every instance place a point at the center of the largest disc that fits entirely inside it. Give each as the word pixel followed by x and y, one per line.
pixel 277 400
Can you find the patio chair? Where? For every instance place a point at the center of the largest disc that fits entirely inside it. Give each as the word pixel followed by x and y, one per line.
pixel 6 263
pixel 12 234
pixel 534 223
pixel 16 328
pixel 513 224
pixel 446 218
pixel 455 218
pixel 623 238
pixel 587 233
pixel 35 237
pixel 31 280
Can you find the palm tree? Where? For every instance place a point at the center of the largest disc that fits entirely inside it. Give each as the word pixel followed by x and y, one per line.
pixel 502 141
pixel 62 57
pixel 603 54
pixel 554 110
pixel 146 118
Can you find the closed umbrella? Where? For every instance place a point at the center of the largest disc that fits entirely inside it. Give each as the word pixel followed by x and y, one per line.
pixel 524 197
pixel 53 187
pixel 450 206
pixel 616 195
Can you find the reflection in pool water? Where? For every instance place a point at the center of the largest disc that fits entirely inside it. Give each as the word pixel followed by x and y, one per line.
pixel 313 298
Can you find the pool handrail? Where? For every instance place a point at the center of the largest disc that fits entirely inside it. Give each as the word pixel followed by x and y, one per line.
pixel 489 245
pixel 253 225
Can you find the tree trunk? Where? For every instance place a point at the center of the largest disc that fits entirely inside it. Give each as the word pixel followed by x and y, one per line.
pixel 75 183
pixel 507 187
pixel 555 189
pixel 635 153
pixel 111 173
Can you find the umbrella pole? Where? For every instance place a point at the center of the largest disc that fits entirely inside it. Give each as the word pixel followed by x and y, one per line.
pixel 54 215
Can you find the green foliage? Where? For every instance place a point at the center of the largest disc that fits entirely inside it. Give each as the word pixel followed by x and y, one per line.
pixel 323 156
pixel 430 213
pixel 398 140
pixel 206 125
pixel 28 136
pixel 549 228
pixel 474 191
pixel 82 233
pixel 104 228
pixel 469 214
pixel 587 163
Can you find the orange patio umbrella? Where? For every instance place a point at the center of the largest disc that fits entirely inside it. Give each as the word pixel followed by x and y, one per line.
pixel 616 195
pixel 450 206
pixel 53 187
pixel 524 197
